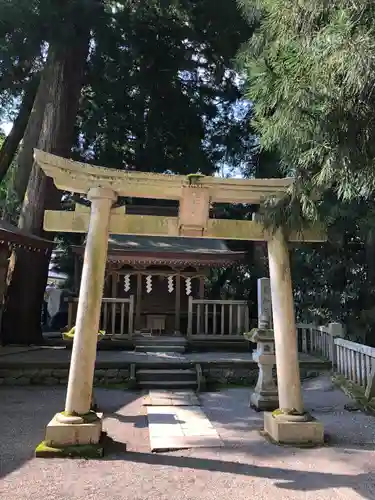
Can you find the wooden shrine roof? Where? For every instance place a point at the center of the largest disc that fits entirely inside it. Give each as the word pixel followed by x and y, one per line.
pixel 14 236
pixel 159 250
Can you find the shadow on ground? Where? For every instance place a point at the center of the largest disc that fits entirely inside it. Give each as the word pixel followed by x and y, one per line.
pixel 286 479
pixel 25 412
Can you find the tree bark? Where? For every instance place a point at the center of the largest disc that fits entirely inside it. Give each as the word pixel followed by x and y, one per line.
pixel 15 136
pixel 31 137
pixel 368 300
pixel 28 271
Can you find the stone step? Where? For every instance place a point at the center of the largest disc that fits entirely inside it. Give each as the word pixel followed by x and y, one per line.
pixel 167 375
pixel 159 348
pixel 166 384
pixel 139 340
pixel 160 345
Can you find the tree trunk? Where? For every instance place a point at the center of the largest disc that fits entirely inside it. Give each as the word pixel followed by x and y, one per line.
pixel 368 301
pixel 15 136
pixel 28 271
pixel 31 136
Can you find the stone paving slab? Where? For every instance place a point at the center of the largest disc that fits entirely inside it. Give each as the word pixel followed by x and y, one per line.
pixel 171 398
pixel 176 428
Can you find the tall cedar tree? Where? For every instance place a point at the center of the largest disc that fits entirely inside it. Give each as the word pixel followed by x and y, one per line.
pixel 193 73
pixel 62 81
pixel 310 74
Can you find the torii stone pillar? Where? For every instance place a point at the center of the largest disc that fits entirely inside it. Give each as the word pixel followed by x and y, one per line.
pixel 290 424
pixel 72 427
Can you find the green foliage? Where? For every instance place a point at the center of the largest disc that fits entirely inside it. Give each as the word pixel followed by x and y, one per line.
pixel 355 392
pixel 9 204
pixel 161 92
pixel 310 73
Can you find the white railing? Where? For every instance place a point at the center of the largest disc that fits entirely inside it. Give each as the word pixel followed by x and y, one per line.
pixel 217 319
pixel 354 361
pixel 319 340
pixel 116 315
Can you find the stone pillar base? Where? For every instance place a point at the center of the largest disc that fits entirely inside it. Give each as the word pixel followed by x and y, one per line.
pixel 300 433
pixel 69 438
pixel 264 402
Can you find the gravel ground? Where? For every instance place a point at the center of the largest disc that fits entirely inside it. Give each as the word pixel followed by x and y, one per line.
pixel 247 467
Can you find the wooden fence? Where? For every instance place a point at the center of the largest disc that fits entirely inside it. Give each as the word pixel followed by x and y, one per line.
pixel 318 340
pixel 356 362
pixel 217 319
pixel 116 315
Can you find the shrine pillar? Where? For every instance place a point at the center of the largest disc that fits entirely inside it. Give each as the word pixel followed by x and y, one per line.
pixel 290 424
pixel 77 425
pixel 82 365
pixel 287 364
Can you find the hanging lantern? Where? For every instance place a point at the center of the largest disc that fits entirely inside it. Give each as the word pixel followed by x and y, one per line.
pixel 148 284
pixel 127 282
pixel 170 284
pixel 188 286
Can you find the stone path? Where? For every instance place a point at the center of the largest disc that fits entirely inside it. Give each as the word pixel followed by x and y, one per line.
pixel 175 422
pixel 171 398
pixel 180 427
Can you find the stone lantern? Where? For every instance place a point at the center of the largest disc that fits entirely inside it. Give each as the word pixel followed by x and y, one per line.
pixel 265 395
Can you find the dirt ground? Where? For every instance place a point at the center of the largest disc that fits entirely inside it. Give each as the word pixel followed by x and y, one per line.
pixel 248 467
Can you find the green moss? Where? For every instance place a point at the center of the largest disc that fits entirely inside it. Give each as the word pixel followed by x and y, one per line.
pixel 281 411
pixel 264 333
pixel 43 450
pixel 89 417
pixel 355 392
pixel 69 414
pixel 194 178
pixel 70 334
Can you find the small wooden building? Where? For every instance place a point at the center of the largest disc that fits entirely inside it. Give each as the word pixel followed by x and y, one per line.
pixel 157 284
pixel 12 237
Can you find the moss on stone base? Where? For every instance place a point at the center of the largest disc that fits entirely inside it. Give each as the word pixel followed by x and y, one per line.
pixel 282 411
pixel 73 451
pixel 88 418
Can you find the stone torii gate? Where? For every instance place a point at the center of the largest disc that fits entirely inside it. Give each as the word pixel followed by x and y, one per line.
pixel 195 193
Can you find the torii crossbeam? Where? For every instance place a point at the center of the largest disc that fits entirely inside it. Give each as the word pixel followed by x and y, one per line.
pixel 195 199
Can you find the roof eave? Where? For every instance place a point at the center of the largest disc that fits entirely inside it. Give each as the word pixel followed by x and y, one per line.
pixel 166 258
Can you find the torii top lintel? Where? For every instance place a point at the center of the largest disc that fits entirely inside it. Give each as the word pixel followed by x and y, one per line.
pixel 69 175
pixel 195 194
